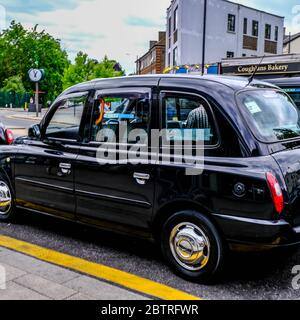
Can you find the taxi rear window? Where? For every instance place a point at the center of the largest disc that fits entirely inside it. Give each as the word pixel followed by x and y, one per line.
pixel 271 113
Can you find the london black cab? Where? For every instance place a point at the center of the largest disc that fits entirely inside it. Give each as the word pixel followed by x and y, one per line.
pixel 78 165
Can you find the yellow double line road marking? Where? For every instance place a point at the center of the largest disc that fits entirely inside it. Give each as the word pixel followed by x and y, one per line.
pixel 121 278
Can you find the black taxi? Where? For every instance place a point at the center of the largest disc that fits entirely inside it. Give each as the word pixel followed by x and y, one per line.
pixel 198 164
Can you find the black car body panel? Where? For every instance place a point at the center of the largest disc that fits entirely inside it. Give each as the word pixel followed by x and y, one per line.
pixel 62 177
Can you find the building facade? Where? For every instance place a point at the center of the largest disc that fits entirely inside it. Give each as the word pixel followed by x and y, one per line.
pixel 153 62
pixel 232 30
pixel 273 66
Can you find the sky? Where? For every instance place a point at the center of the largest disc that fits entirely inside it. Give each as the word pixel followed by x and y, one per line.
pixel 121 29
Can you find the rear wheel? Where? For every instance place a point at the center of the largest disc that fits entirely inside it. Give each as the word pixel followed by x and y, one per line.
pixel 192 246
pixel 7 205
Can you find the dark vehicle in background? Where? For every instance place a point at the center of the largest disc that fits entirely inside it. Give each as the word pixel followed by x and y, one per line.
pixel 246 198
pixel 290 86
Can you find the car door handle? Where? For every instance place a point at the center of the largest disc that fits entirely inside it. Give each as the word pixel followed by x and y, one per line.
pixel 141 178
pixel 65 169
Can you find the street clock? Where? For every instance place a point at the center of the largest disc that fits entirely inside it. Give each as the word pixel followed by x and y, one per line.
pixel 36 75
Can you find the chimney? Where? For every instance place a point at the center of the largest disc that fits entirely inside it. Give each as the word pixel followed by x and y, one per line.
pixel 152 44
pixel 162 36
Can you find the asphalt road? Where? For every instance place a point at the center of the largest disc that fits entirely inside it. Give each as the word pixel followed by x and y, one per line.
pixel 248 276
pixel 8 121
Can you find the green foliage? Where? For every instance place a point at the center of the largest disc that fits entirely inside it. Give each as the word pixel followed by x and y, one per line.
pixel 21 50
pixel 107 69
pixel 13 84
pixel 82 70
pixel 85 69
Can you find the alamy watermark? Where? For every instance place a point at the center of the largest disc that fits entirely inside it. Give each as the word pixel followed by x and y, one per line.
pixel 2 18
pixel 178 147
pixel 296 279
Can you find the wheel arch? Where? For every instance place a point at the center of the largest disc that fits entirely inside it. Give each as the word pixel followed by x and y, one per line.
pixel 170 208
pixel 7 177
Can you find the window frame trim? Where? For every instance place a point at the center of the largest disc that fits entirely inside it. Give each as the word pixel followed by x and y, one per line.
pixel 175 19
pixel 268 26
pixel 136 90
pixel 254 22
pixel 245 26
pixel 234 24
pixel 49 115
pixel 161 96
pixel 276 34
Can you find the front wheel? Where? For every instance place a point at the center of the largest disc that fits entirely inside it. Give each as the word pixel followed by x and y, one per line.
pixel 7 205
pixel 193 247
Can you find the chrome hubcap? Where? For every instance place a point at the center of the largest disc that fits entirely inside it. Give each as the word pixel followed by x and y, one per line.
pixel 190 246
pixel 5 198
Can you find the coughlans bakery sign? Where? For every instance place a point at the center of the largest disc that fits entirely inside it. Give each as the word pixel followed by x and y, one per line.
pixel 270 68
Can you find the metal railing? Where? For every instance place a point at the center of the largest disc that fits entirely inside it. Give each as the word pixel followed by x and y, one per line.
pixel 13 100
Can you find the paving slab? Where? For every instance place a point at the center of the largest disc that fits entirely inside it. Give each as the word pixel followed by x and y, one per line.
pixel 45 287
pixel 8 273
pixel 39 268
pixel 15 291
pixel 101 290
pixel 27 278
pixel 80 296
pixel 4 252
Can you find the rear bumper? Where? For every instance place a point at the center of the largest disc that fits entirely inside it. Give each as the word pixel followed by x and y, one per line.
pixel 257 235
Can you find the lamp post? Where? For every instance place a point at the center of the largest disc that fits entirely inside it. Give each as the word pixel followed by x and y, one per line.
pixel 204 36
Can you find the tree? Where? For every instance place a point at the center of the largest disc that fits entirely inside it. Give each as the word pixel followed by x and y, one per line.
pixel 107 69
pixel 85 69
pixel 14 84
pixel 21 50
pixel 82 70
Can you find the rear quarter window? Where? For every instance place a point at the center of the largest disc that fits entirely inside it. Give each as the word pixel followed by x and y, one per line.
pixel 271 114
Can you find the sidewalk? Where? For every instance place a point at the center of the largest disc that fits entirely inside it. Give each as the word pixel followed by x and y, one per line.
pixel 27 278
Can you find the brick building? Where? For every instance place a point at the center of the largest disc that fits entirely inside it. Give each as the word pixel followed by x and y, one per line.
pixel 153 62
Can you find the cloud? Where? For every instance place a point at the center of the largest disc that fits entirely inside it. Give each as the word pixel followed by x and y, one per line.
pixel 98 27
pixel 141 22
pixel 121 29
pixel 34 6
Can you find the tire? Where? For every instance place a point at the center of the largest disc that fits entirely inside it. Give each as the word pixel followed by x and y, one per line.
pixel 201 256
pixel 7 203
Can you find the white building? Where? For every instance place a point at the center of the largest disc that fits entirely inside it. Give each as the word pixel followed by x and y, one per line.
pixel 232 30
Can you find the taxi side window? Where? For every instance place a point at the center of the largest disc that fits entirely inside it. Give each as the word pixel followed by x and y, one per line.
pixel 66 120
pixel 132 111
pixel 188 117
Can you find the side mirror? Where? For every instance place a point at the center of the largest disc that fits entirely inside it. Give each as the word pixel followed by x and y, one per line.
pixel 34 132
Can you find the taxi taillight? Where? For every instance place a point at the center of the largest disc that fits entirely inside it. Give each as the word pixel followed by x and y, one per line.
pixel 276 192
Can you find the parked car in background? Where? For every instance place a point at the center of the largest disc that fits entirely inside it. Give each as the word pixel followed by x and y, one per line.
pixel 6 135
pixel 246 197
pixel 290 86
